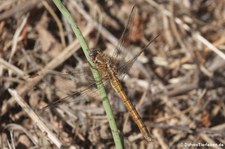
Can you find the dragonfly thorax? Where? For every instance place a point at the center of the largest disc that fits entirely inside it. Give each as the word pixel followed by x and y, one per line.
pixel 104 63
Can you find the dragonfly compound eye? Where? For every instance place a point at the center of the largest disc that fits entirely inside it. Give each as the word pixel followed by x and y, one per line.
pixel 93 53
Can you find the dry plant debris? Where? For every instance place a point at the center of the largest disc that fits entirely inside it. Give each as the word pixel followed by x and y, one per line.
pixel 177 84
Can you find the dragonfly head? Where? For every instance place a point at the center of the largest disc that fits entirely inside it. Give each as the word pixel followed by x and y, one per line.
pixel 94 53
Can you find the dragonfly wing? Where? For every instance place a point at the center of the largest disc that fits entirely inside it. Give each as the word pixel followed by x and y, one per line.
pixel 125 33
pixel 70 95
pixel 123 69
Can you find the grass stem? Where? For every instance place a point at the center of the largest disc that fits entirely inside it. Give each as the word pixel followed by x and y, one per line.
pixel 100 86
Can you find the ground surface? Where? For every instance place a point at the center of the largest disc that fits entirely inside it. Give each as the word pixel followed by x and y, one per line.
pixel 177 84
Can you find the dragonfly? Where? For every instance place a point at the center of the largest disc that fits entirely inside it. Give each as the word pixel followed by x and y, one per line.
pixel 111 71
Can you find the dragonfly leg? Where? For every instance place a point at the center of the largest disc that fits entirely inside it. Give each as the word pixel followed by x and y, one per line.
pixel 92 67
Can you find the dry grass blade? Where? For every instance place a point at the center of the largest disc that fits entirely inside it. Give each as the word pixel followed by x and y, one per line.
pixel 35 118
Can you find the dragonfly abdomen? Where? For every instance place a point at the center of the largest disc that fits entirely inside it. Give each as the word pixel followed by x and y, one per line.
pixel 130 107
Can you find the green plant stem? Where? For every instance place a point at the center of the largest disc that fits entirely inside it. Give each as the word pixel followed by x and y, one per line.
pixel 100 86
